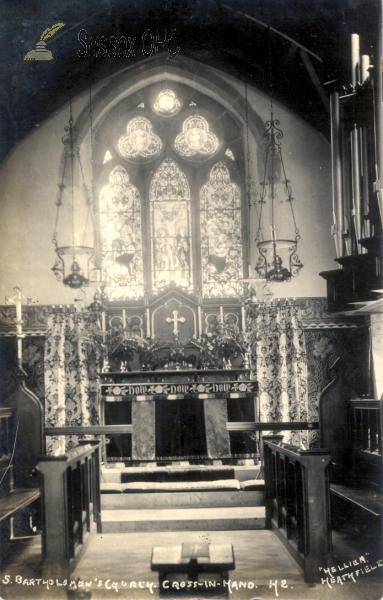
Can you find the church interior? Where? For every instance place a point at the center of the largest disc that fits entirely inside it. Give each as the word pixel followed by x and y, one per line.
pixel 191 326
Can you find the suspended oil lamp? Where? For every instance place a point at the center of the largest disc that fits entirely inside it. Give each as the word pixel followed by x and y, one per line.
pixel 73 264
pixel 275 251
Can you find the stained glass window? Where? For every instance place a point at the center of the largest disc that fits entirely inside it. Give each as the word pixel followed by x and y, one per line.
pixel 196 138
pixel 120 221
pixel 166 103
pixel 139 139
pixel 221 243
pixel 169 196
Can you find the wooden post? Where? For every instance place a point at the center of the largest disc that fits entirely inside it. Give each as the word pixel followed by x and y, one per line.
pixel 317 511
pixel 266 460
pixel 55 515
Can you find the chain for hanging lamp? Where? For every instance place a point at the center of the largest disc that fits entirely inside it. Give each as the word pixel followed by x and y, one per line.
pixel 274 251
pixel 73 263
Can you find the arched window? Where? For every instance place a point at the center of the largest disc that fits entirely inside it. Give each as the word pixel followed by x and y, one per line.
pixel 120 217
pixel 221 235
pixel 170 227
pixel 171 183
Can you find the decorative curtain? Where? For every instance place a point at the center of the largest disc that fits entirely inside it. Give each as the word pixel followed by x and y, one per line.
pixel 70 366
pixel 279 358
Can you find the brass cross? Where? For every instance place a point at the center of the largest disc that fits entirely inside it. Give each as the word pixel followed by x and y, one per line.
pixel 175 320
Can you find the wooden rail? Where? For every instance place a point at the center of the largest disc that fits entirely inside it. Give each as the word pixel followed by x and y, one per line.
pixel 283 426
pixel 71 507
pixel 88 430
pixel 297 503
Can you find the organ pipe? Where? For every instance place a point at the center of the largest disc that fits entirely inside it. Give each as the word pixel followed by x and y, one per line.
pixel 336 174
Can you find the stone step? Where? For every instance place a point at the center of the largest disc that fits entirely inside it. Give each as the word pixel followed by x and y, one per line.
pixel 192 499
pixel 194 519
pixel 113 474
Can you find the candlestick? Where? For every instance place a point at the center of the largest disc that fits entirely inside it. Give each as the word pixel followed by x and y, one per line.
pixel 147 322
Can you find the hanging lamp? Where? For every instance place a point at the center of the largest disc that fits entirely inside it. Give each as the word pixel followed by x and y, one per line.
pixel 278 259
pixel 74 265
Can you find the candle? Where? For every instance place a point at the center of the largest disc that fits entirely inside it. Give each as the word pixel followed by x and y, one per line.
pixel 243 318
pixel 147 322
pixel 103 322
pixel 124 318
pixel 199 320
pixel 221 313
pixel 249 271
pixel 76 238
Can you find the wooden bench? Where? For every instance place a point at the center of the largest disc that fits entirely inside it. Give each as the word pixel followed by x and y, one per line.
pixel 21 443
pixel 351 428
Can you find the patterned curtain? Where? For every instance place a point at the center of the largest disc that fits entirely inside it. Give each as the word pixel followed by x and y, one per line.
pixel 278 355
pixel 70 365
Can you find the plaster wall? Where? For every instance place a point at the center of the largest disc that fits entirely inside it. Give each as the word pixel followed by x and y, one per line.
pixel 28 192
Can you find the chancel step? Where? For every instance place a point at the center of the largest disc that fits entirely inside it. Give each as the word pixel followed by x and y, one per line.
pixel 203 487
pixel 180 519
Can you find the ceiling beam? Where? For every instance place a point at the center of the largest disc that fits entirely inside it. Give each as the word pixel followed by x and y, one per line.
pixel 239 12
pixel 315 79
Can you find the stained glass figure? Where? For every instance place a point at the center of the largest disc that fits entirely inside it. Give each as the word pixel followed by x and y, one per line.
pixel 169 196
pixel 120 218
pixel 196 138
pixel 166 103
pixel 221 243
pixel 139 140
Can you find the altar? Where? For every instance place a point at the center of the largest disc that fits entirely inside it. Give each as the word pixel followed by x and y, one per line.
pixel 177 415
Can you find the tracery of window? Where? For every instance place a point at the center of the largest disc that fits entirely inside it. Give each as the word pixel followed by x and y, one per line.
pixel 166 103
pixel 196 138
pixel 139 139
pixel 120 222
pixel 169 196
pixel 221 244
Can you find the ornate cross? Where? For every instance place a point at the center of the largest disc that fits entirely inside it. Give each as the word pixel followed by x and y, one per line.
pixel 175 320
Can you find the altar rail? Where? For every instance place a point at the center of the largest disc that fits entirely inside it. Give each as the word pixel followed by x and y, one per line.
pixel 71 507
pixel 297 503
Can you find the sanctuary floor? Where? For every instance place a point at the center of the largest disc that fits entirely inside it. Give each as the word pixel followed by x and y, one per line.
pixel 115 563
